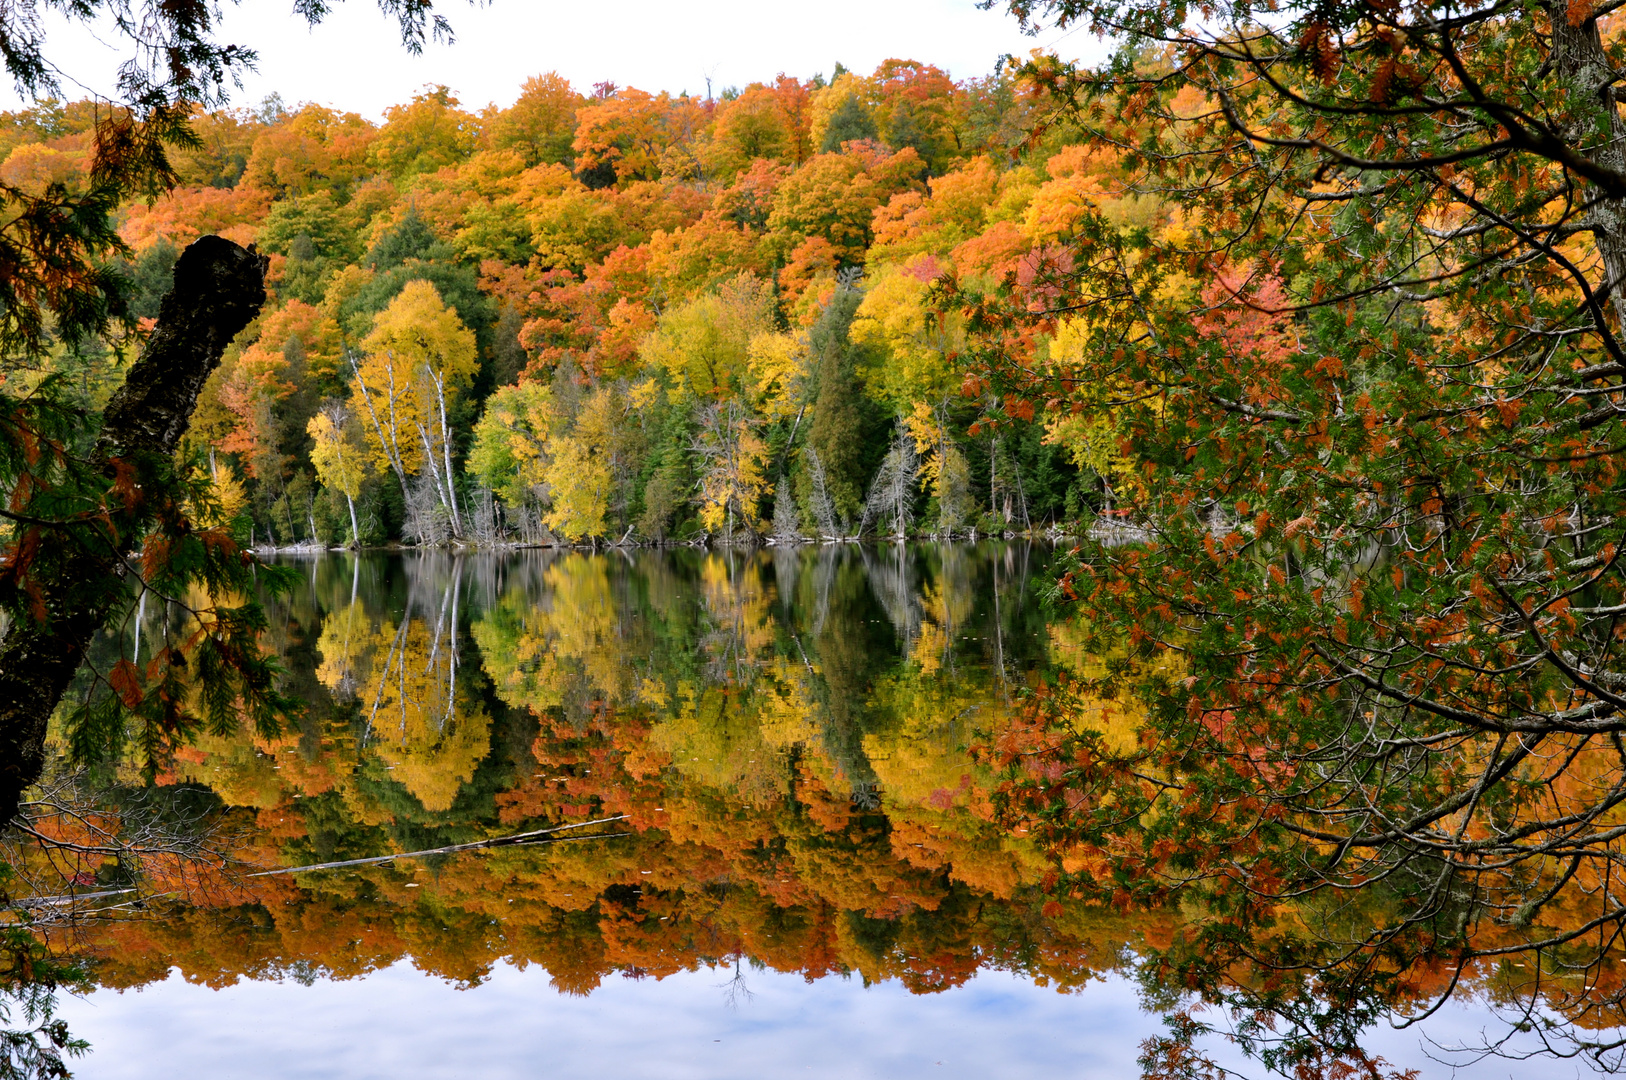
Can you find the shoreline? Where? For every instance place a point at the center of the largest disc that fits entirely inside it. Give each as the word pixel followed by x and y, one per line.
pixel 1119 533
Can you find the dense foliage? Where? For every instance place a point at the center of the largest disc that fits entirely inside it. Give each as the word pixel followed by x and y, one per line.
pixel 1362 382
pixel 1319 310
pixel 614 316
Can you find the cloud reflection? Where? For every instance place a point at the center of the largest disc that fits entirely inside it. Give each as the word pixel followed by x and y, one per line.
pixel 400 1022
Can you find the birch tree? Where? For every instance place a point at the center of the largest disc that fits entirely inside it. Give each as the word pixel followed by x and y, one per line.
pixel 416 362
pixel 338 461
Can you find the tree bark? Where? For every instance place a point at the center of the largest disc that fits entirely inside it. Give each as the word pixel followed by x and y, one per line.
pixel 355 532
pixel 218 288
pixel 386 442
pixel 1578 55
pixel 446 453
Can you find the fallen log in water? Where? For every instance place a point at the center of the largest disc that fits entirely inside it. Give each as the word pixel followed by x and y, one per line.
pixel 532 838
pixel 517 839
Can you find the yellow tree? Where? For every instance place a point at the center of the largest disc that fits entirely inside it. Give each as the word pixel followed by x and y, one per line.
pixel 721 353
pixel 780 373
pixel 910 343
pixel 733 459
pixel 418 358
pixel 511 449
pixel 1093 438
pixel 912 375
pixel 314 150
pixel 542 123
pixel 431 735
pixel 830 100
pixel 579 480
pixel 339 464
pixel 425 135
pixel 704 345
pixel 593 467
pixel 751 127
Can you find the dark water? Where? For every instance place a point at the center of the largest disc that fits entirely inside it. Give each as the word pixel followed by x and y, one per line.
pixel 811 878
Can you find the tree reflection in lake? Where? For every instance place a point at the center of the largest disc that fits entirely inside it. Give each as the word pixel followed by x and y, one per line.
pixel 787 731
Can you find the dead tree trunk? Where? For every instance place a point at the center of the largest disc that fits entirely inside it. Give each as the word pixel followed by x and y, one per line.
pixel 218 288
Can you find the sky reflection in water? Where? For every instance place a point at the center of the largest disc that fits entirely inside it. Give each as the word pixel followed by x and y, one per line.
pixel 400 1022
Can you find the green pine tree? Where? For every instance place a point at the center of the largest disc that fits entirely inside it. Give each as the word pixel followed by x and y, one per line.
pixel 852 121
pixel 847 429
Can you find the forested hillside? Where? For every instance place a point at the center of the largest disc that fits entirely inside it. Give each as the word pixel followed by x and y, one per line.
pixel 617 315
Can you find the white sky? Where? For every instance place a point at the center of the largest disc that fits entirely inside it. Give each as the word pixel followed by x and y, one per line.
pixel 354 60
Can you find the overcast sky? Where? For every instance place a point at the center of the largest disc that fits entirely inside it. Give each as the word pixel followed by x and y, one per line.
pixel 354 60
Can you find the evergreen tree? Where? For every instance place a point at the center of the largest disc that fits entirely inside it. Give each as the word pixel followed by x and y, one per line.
pixel 904 131
pixel 845 421
pixel 151 276
pixel 410 239
pixel 852 121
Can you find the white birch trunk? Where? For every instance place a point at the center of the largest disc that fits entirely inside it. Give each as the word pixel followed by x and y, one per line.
pixel 446 453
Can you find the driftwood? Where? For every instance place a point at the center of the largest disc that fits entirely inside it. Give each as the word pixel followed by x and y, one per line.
pixel 219 287
pixel 524 839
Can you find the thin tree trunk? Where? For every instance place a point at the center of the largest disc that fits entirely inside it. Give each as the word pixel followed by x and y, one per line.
pixel 993 476
pixel 141 615
pixel 1021 493
pixel 355 533
pixel 398 458
pixel 446 453
pixel 218 288
pixel 434 474
pixel 387 442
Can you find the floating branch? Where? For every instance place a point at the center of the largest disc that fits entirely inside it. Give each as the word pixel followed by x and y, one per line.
pixel 538 836
pixel 517 839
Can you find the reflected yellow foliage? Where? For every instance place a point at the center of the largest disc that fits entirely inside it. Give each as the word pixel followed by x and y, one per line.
pixel 787 737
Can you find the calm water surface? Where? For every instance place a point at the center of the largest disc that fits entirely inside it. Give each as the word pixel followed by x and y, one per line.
pixel 811 883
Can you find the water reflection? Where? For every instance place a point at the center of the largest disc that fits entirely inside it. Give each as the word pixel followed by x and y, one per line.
pixel 786 730
pixel 787 735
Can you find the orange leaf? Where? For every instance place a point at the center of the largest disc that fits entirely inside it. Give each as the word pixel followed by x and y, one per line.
pixel 126 683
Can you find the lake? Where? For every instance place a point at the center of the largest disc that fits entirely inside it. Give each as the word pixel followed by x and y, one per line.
pixel 805 874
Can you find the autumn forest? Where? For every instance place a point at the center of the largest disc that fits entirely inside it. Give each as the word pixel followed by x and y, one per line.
pixel 1149 528
pixel 615 315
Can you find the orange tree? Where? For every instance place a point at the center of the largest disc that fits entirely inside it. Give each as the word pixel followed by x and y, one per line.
pixel 1364 368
